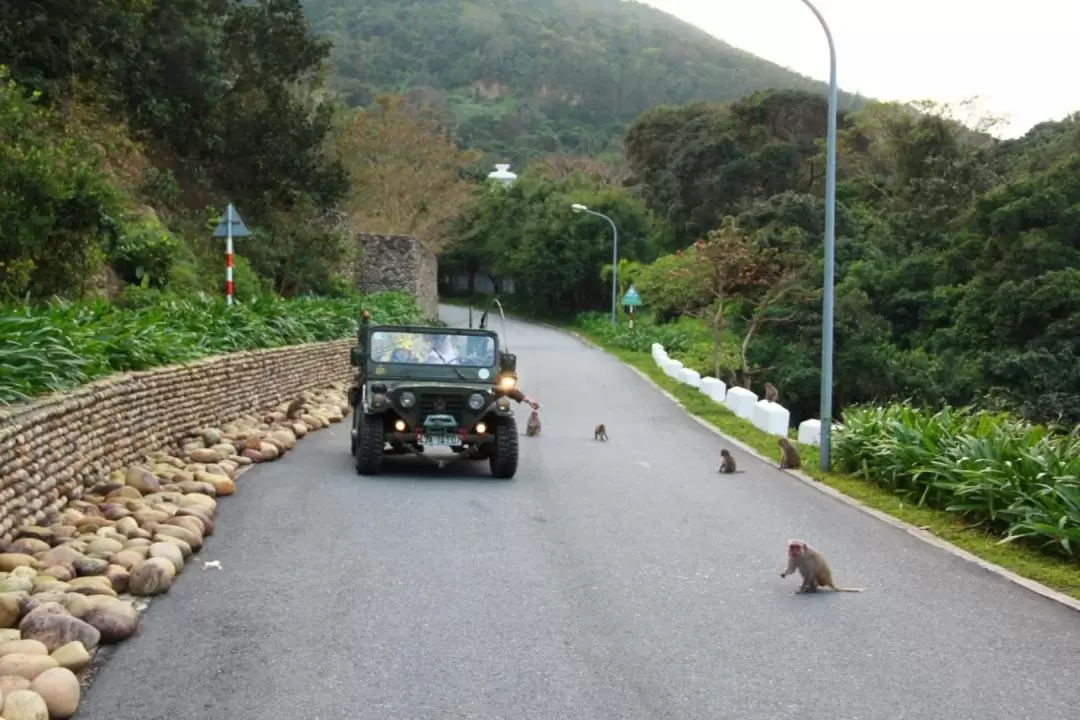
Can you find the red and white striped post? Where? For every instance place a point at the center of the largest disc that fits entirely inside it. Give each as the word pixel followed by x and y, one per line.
pixel 228 258
pixel 226 230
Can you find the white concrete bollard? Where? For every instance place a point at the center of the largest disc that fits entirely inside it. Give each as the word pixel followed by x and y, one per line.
pixel 671 368
pixel 690 377
pixel 771 418
pixel 810 432
pixel 741 401
pixel 715 388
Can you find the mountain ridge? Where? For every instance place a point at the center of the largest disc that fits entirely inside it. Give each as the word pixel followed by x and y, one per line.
pixel 520 79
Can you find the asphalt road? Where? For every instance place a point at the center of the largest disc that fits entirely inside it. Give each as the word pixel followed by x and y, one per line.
pixel 621 580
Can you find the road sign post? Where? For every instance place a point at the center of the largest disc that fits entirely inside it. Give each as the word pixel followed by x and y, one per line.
pixel 229 227
pixel 631 300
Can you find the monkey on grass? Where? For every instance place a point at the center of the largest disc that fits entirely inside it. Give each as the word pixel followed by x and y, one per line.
pixel 600 433
pixel 532 427
pixel 727 463
pixel 789 456
pixel 812 566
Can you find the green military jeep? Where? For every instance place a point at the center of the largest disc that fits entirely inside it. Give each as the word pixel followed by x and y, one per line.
pixel 420 387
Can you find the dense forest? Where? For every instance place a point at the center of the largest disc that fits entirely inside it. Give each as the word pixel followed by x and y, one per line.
pixel 524 78
pixel 126 128
pixel 957 263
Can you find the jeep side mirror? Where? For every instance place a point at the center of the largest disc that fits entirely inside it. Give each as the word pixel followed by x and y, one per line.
pixel 507 362
pixel 356 356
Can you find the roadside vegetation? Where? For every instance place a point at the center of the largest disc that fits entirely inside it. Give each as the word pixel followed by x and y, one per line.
pixel 61 345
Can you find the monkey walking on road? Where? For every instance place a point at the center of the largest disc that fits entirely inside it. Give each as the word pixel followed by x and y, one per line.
pixel 770 392
pixel 600 433
pixel 532 427
pixel 812 566
pixel 727 463
pixel 789 456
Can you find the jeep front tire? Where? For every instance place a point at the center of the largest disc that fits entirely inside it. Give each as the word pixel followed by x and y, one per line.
pixel 504 451
pixel 369 444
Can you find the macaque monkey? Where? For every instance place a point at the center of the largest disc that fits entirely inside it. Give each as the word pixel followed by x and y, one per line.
pixel 770 392
pixel 789 456
pixel 727 463
pixel 600 433
pixel 294 408
pixel 813 568
pixel 532 427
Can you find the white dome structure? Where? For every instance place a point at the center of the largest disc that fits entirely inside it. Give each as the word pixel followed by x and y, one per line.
pixel 502 175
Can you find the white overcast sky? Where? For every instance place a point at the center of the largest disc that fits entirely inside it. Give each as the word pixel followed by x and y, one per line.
pixel 1013 55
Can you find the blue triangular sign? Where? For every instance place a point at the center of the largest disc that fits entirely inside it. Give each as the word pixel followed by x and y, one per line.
pixel 631 297
pixel 233 218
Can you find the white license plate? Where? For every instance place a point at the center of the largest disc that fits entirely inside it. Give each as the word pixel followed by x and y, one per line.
pixel 441 440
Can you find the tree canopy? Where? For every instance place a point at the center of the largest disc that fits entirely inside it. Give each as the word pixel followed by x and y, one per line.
pixel 956 261
pixel 128 125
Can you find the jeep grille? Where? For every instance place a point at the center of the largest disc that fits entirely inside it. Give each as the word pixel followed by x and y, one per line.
pixel 442 403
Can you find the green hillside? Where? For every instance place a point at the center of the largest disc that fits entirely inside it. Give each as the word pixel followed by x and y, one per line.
pixel 526 77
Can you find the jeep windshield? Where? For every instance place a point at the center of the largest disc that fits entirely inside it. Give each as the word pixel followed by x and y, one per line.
pixel 431 348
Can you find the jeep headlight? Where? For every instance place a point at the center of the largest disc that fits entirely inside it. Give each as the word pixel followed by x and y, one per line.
pixel 407 399
pixel 506 382
pixel 476 401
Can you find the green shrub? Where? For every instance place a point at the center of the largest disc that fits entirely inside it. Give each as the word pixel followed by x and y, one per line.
pixel 56 204
pixel 191 275
pixel 144 253
pixel 688 340
pixel 1014 478
pixel 65 344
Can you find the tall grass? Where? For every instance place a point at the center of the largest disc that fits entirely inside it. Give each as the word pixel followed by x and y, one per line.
pixel 1016 479
pixel 62 345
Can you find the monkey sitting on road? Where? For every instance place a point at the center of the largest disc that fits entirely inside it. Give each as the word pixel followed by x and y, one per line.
pixel 727 463
pixel 813 568
pixel 789 456
pixel 532 427
pixel 600 433
pixel 770 392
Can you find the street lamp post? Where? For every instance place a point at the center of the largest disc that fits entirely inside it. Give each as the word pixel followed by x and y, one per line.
pixel 614 255
pixel 830 252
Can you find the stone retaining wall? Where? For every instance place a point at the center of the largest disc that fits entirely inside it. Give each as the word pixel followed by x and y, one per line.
pixel 53 448
pixel 399 263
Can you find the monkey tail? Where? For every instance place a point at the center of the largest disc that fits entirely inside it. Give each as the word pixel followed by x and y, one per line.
pixel 843 589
